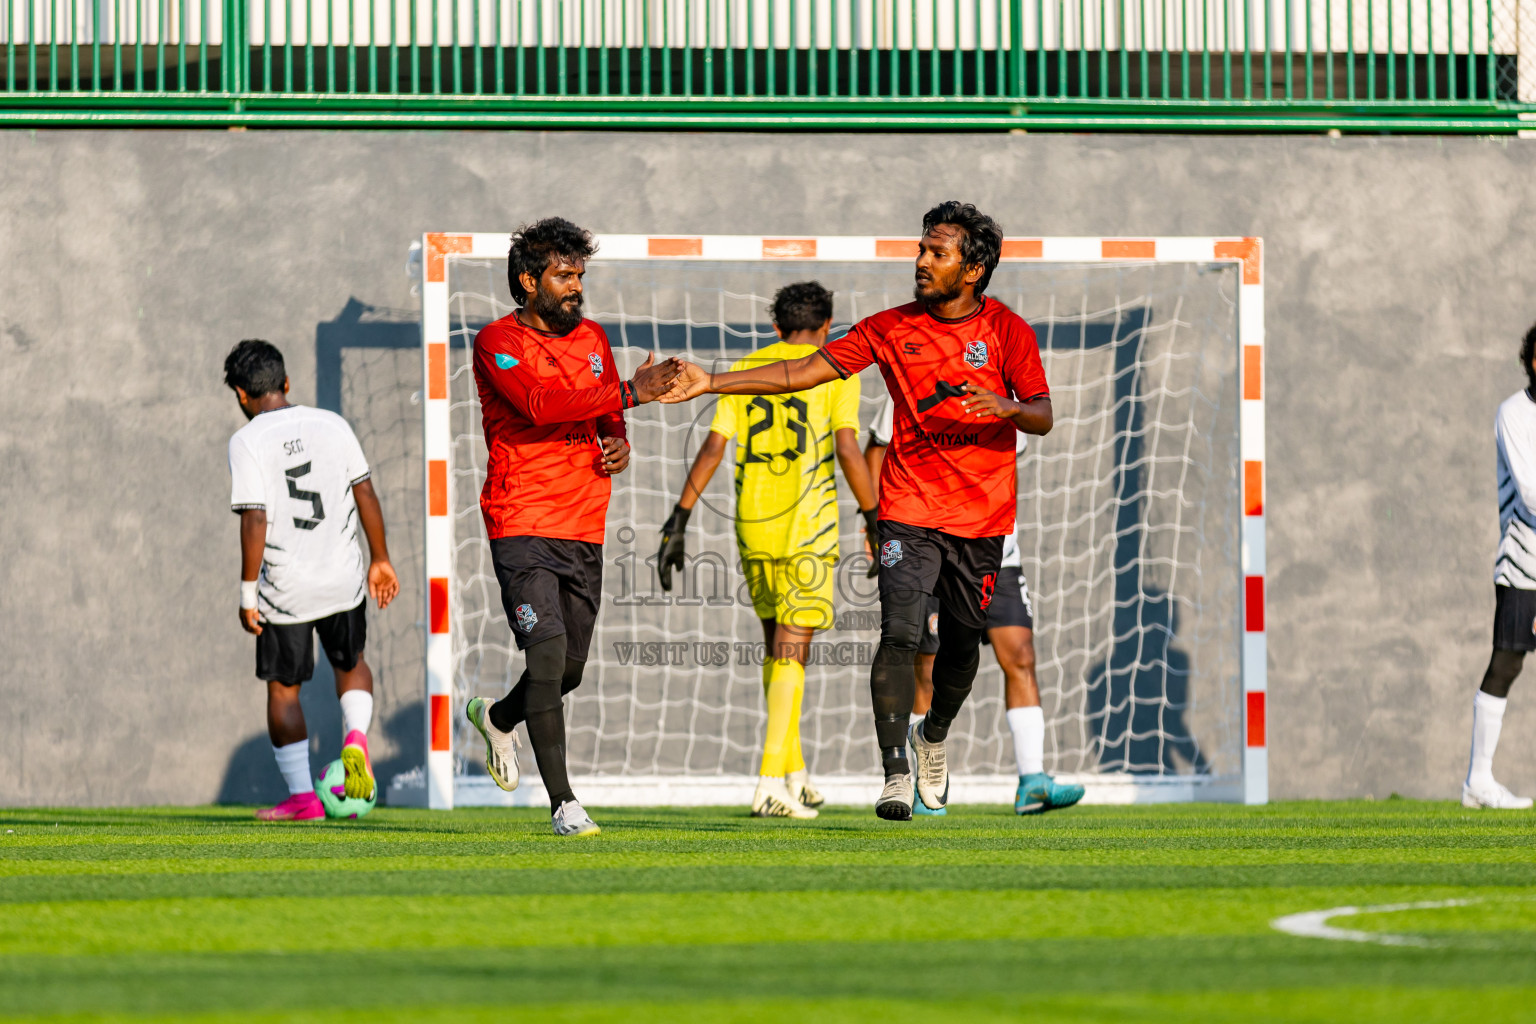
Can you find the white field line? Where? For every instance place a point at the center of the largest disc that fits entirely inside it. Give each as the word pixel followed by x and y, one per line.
pixel 1313 924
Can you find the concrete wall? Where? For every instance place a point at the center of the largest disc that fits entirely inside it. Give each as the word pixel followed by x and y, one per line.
pixel 1399 283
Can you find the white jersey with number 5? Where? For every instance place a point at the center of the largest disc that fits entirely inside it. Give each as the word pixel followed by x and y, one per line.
pixel 880 433
pixel 299 465
pixel 1514 430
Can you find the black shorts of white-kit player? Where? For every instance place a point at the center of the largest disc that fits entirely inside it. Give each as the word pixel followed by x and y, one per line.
pixel 960 572
pixel 285 651
pixel 1514 619
pixel 549 586
pixel 1010 602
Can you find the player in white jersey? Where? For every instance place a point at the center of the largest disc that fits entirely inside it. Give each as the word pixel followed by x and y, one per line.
pixel 301 487
pixel 1514 584
pixel 1010 631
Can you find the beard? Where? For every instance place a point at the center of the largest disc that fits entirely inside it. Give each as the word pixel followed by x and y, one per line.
pixel 931 292
pixel 562 315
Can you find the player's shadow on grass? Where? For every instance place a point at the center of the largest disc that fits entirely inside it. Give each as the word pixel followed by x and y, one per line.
pixel 1137 699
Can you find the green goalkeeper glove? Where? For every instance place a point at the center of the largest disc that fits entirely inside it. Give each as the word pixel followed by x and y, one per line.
pixel 872 531
pixel 671 554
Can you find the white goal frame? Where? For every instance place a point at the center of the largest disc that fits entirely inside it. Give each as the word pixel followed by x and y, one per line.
pixel 439 789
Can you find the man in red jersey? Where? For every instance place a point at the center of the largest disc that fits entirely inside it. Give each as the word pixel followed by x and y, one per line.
pixel 552 405
pixel 965 373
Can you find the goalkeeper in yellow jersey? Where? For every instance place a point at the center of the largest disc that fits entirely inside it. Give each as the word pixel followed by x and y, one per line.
pixel 786 524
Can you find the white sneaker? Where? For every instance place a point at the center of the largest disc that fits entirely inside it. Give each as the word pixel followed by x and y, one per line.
pixel 773 800
pixel 1493 796
pixel 500 747
pixel 895 803
pixel 800 788
pixel 932 774
pixel 570 820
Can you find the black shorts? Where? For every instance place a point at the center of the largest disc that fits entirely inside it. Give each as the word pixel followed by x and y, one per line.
pixel 1514 619
pixel 961 572
pixel 549 586
pixel 1010 602
pixel 285 651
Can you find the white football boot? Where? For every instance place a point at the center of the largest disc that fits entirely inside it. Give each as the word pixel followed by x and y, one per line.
pixel 800 788
pixel 932 773
pixel 895 803
pixel 500 747
pixel 1489 794
pixel 774 800
pixel 570 820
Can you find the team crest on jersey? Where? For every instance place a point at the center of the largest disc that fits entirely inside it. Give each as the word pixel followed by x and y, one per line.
pixel 976 354
pixel 596 362
pixel 890 553
pixel 526 619
pixel 933 623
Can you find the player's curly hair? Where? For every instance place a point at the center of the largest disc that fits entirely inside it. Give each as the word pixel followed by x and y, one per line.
pixel 983 241
pixel 1527 352
pixel 535 246
pixel 802 306
pixel 255 367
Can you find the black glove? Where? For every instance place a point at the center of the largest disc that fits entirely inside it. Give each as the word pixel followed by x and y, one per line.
pixel 671 554
pixel 872 530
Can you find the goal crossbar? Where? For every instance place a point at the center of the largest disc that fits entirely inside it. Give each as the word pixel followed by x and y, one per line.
pixel 436 787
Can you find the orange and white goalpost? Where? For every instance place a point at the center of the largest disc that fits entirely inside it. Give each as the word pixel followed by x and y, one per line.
pixel 1141 528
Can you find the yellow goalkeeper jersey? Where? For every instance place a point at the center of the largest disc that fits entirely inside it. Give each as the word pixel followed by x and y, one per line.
pixel 786 494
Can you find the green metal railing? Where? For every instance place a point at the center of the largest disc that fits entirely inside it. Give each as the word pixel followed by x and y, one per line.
pixel 1297 65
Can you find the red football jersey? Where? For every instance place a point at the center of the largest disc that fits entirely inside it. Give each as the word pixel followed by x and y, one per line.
pixel 545 401
pixel 943 469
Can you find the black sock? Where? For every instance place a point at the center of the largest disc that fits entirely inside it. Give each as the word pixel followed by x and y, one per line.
pixel 954 670
pixel 892 687
pixel 509 712
pixel 545 716
pixel 512 710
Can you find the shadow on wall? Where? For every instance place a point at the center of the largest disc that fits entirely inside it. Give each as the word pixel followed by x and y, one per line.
pixel 1138 698
pixel 252 777
pixel 368 369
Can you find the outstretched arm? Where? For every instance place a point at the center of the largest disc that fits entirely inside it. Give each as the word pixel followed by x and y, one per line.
pixel 780 378
pixel 542 404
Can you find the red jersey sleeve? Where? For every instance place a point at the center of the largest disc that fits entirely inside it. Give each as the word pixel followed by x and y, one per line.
pixel 1022 370
pixel 610 424
pixel 499 362
pixel 853 351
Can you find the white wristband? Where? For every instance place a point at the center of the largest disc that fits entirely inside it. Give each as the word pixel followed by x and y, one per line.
pixel 247 593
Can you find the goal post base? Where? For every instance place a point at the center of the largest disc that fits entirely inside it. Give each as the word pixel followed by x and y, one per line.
pixel 736 790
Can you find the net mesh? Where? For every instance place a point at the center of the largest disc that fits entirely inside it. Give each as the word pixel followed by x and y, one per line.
pixel 1128 527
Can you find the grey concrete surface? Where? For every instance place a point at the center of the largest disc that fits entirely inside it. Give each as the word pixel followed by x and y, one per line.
pixel 1399 282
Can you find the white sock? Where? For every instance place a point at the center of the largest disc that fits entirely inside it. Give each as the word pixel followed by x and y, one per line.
pixel 914 718
pixel 1028 726
pixel 356 711
pixel 293 762
pixel 1487 719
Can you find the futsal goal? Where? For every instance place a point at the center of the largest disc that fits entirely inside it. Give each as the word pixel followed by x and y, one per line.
pixel 1141 524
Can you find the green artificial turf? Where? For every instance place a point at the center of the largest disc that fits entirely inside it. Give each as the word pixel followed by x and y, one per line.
pixel 1091 914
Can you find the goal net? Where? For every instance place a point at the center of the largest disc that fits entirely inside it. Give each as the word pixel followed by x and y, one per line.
pixel 1135 517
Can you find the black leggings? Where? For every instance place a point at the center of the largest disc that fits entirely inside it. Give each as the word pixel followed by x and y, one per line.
pixel 536 700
